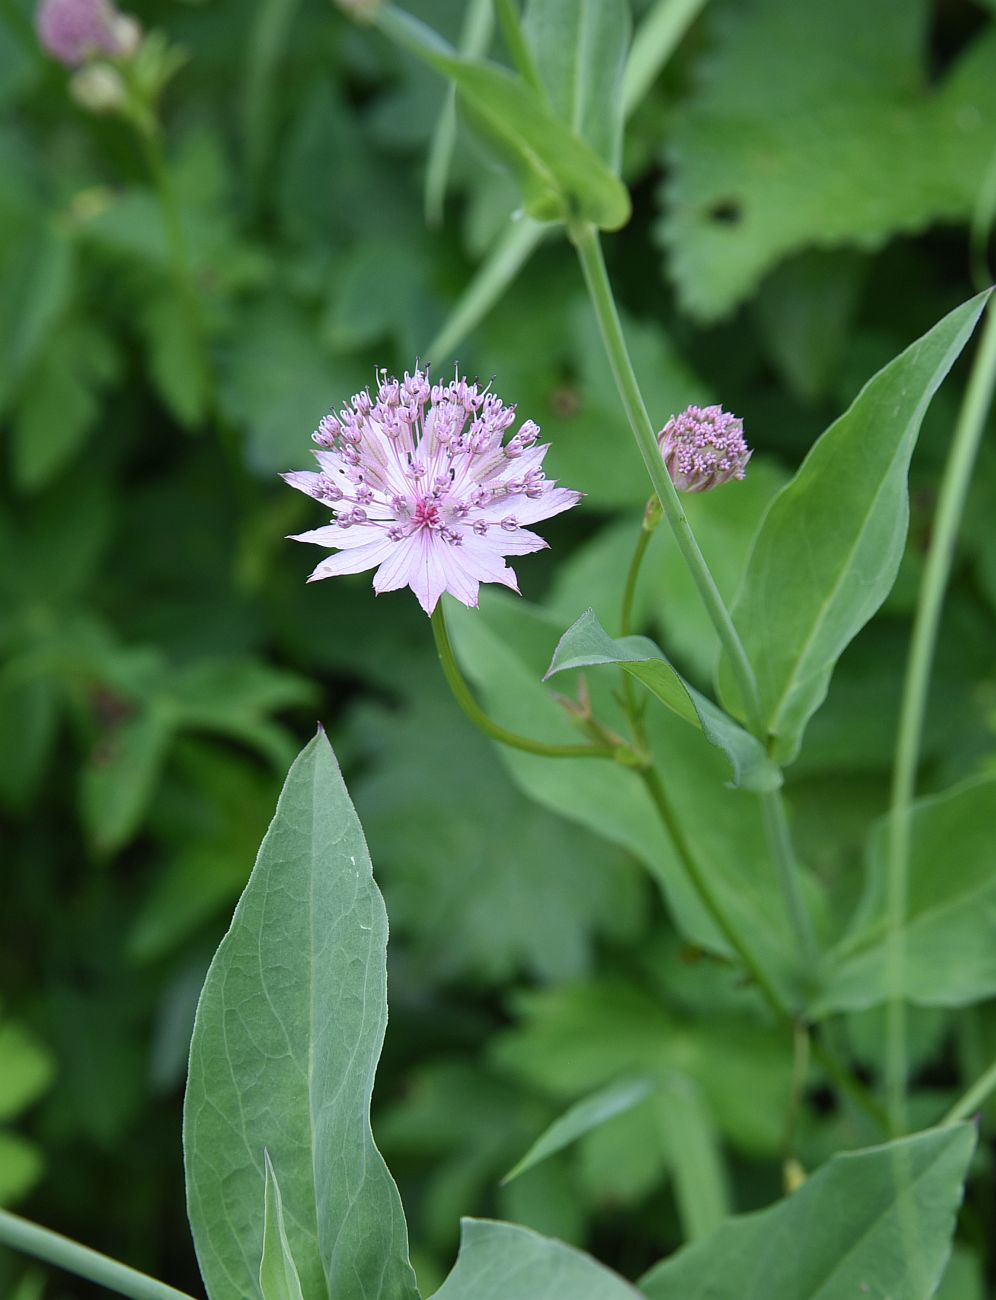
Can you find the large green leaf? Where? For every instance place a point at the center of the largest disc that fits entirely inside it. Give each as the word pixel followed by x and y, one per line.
pixel 287 1037
pixel 580 49
pixel 586 644
pixel 829 547
pixel 500 1261
pixel 950 933
pixel 869 1223
pixel 852 141
pixel 560 175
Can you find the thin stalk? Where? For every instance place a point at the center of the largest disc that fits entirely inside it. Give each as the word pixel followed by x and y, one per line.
pixel 703 888
pixel 973 1098
pixel 632 576
pixel 464 697
pixel 585 239
pixel 950 505
pixel 655 40
pixel 61 1252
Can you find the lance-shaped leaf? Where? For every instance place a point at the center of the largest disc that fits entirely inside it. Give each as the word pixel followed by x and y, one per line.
pixel 286 1040
pixel 501 1261
pixel 828 549
pixel 869 1223
pixel 560 175
pixel 950 931
pixel 278 1279
pixel 580 51
pixel 589 1113
pixel 586 644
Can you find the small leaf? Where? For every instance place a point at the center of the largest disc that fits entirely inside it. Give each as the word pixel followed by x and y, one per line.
pixel 560 175
pixel 580 51
pixel 828 549
pixel 121 776
pixel 27 1069
pixel 278 1279
pixel 586 644
pixel 950 916
pixel 869 1223
pixel 21 1165
pixel 582 1117
pixel 288 1032
pixel 500 1261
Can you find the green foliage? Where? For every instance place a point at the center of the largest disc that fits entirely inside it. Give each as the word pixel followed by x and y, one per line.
pixel 819 171
pixel 842 147
pixel 561 176
pixel 580 49
pixel 27 1070
pixel 884 1216
pixel 586 644
pixel 288 1032
pixel 830 545
pixel 499 1261
pixel 581 1118
pixel 948 931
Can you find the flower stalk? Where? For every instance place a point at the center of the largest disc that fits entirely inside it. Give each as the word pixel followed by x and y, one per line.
pixel 586 241
pixel 950 505
pixel 465 698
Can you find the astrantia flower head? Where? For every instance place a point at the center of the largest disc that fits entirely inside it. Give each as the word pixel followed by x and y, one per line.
pixel 703 447
pixel 73 31
pixel 423 484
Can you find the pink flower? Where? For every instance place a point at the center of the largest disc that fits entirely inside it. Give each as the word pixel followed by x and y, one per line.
pixel 421 485
pixel 703 447
pixel 73 31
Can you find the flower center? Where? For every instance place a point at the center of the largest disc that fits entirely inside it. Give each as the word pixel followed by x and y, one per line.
pixel 426 514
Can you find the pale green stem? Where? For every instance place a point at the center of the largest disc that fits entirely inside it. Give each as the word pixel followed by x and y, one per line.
pixel 53 1248
pixel 632 576
pixel 502 264
pixel 655 40
pixel 974 1098
pixel 464 697
pixel 585 239
pixel 950 504
pixel 702 886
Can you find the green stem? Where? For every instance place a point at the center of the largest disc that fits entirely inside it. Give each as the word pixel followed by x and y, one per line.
pixel 654 41
pixel 479 718
pixel 59 1251
pixel 954 487
pixel 585 239
pixel 974 1098
pixel 632 576
pixel 779 838
pixel 700 883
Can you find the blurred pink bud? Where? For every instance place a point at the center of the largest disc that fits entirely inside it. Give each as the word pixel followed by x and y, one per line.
pixel 74 31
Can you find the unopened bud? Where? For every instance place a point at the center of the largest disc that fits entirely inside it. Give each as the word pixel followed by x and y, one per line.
pixel 703 447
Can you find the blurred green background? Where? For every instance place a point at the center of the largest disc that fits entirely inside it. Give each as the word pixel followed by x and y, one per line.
pixel 813 187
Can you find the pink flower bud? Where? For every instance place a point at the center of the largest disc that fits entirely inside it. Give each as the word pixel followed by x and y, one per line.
pixel 703 447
